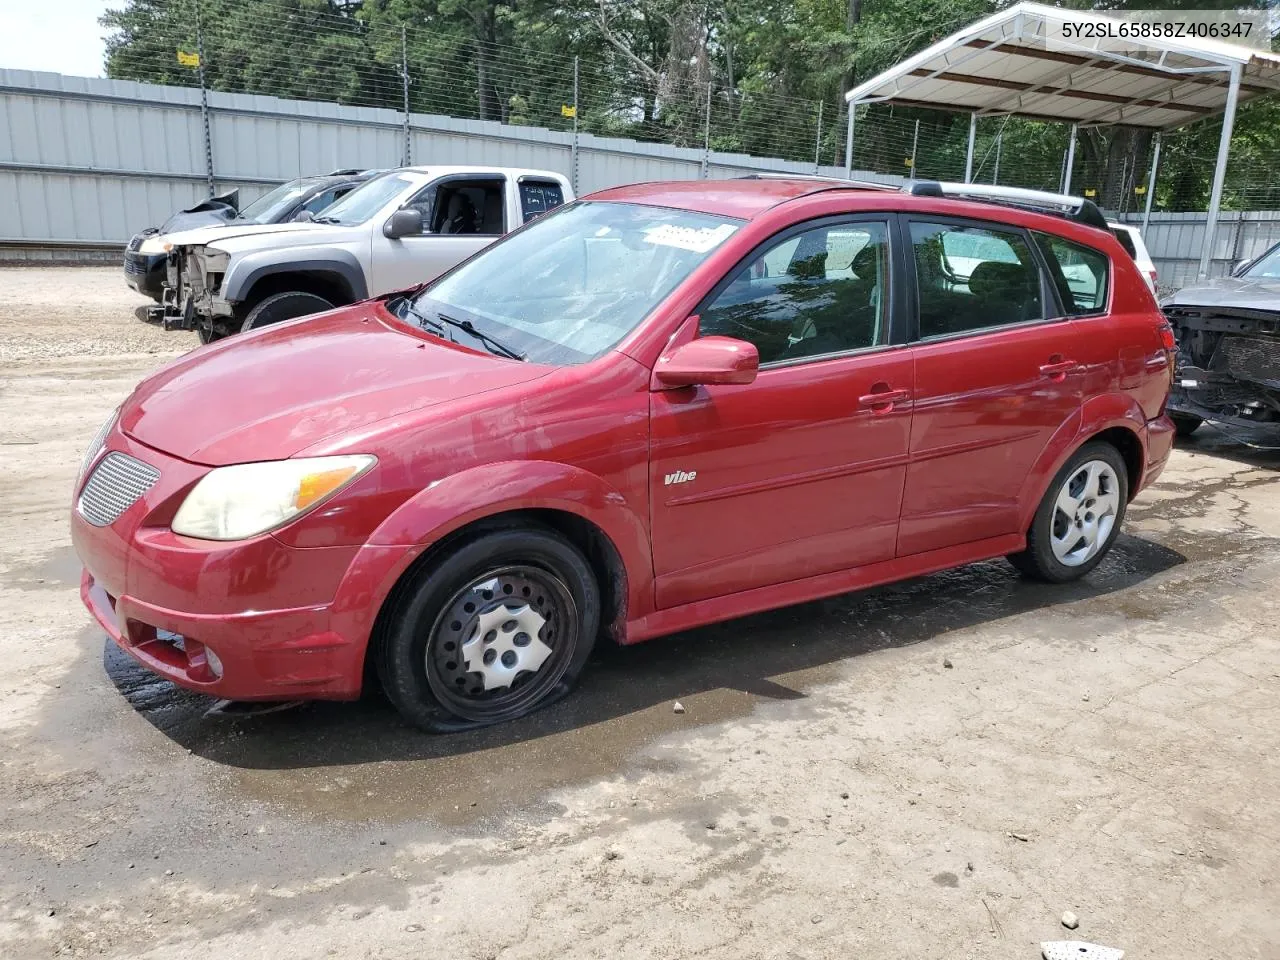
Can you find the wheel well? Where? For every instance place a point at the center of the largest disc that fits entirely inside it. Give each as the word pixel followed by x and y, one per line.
pixel 1130 447
pixel 328 285
pixel 602 555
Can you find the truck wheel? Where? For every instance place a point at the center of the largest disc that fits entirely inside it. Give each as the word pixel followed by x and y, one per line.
pixel 1185 424
pixel 284 306
pixel 1079 517
pixel 496 629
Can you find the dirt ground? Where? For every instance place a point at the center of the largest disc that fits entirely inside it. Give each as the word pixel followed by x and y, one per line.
pixel 934 769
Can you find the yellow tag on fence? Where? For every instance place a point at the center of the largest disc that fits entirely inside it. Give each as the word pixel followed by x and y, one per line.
pixel 188 59
pixel 568 111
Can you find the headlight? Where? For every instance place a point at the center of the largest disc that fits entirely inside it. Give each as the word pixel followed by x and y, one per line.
pixel 95 445
pixel 232 503
pixel 154 245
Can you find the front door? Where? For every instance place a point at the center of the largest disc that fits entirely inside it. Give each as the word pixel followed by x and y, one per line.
pixel 460 217
pixel 997 373
pixel 799 473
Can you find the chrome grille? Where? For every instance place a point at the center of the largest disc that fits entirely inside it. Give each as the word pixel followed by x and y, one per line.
pixel 115 485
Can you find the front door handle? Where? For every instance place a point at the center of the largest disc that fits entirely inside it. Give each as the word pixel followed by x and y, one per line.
pixel 882 400
pixel 1057 368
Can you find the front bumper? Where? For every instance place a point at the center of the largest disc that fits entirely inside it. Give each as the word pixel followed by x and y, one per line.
pixel 145 272
pixel 274 616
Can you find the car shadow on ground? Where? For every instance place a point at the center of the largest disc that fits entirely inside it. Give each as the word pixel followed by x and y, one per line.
pixel 1255 447
pixel 728 667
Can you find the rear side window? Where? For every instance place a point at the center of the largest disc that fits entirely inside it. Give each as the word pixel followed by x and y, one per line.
pixel 970 278
pixel 1080 273
pixel 539 196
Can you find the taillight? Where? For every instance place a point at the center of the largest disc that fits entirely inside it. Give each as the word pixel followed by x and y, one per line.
pixel 1167 339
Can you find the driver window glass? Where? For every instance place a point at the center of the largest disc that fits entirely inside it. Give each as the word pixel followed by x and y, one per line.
pixel 460 208
pixel 818 292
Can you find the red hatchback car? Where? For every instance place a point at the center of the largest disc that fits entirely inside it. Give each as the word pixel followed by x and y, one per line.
pixel 661 406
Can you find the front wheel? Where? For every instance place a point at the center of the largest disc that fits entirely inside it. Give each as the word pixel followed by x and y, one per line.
pixel 499 627
pixel 284 306
pixel 1079 517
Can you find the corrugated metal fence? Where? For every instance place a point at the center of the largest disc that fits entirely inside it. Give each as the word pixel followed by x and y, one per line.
pixel 87 162
pixel 1175 241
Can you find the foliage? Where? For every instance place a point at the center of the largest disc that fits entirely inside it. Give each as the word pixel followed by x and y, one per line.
pixel 763 77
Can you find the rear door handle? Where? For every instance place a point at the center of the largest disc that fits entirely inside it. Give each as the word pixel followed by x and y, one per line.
pixel 1058 369
pixel 882 401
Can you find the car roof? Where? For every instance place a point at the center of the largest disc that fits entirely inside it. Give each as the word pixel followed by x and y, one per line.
pixel 742 199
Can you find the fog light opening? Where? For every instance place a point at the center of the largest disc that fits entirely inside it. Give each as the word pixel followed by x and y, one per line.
pixel 215 665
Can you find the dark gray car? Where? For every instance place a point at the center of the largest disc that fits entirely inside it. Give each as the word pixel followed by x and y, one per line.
pixel 1228 334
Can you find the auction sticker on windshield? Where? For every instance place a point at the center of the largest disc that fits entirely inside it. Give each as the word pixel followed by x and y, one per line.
pixel 697 239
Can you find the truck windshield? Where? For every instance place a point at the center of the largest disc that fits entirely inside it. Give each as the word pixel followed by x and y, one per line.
pixel 1268 265
pixel 269 207
pixel 364 201
pixel 575 282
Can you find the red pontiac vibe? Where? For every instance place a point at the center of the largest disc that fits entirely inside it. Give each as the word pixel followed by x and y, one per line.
pixel 662 406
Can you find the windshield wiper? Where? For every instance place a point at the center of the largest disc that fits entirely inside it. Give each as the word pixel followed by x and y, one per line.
pixel 325 220
pixel 484 338
pixel 424 321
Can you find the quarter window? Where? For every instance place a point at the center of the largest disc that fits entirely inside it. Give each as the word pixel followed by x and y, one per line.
pixel 971 278
pixel 539 196
pixel 818 292
pixel 1079 272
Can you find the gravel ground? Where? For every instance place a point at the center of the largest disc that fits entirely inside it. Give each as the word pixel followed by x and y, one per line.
pixel 935 769
pixel 50 312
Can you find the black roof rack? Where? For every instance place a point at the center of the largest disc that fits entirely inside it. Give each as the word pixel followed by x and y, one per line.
pixel 1079 209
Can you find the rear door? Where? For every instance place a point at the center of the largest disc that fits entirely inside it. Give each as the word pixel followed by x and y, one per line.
pixel 799 473
pixel 997 372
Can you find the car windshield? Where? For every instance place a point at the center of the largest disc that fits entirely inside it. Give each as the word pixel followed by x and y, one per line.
pixel 1268 265
pixel 364 201
pixel 270 207
pixel 574 283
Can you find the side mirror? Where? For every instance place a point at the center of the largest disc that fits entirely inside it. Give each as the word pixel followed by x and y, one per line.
pixel 303 216
pixel 707 361
pixel 403 223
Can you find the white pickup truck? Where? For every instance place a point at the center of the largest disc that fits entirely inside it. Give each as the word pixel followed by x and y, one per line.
pixel 393 232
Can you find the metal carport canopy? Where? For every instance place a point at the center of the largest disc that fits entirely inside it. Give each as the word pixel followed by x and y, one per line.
pixel 1019 62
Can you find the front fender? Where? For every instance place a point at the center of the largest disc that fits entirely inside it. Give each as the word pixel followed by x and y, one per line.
pixel 244 271
pixel 485 491
pixel 1103 412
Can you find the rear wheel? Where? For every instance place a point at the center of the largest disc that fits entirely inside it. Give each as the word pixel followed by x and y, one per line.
pixel 1079 517
pixel 1186 424
pixel 501 626
pixel 284 306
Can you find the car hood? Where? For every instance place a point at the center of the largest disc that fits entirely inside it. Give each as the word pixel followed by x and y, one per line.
pixel 229 231
pixel 1241 293
pixel 268 394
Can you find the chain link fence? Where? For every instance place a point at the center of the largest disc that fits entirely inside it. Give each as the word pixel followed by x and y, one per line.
pixel 366 57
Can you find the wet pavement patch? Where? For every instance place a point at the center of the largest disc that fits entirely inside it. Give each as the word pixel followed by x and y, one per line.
pixel 359 762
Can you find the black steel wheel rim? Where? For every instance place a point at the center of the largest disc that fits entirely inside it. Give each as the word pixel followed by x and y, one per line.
pixel 501 642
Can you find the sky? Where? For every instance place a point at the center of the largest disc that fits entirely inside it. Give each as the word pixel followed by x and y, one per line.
pixel 62 36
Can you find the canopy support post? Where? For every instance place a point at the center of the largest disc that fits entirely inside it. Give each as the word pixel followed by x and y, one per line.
pixel 1219 172
pixel 848 144
pixel 968 156
pixel 1071 161
pixel 1151 186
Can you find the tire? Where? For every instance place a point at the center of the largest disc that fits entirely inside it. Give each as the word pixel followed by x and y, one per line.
pixel 284 306
pixel 1077 521
pixel 451 657
pixel 1185 424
